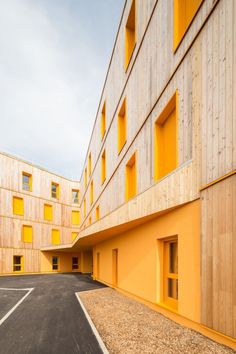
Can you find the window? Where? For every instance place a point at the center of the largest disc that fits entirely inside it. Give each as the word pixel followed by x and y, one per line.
pixel 55 237
pixel 130 35
pixel 47 212
pixel 171 272
pixel 27 233
pixel 18 206
pixel 75 217
pixel 75 196
pixel 122 126
pixel 55 263
pixel 26 181
pixel 55 190
pixel 90 164
pixel 84 208
pixel 17 263
pixel 184 12
pixel 131 179
pixel 97 213
pixel 165 144
pixel 98 265
pixel 74 235
pixel 103 167
pixel 75 263
pixel 91 193
pixel 103 121
pixel 90 220
pixel 115 267
pixel 85 177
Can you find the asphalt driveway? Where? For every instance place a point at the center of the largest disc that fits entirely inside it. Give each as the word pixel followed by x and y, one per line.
pixel 50 319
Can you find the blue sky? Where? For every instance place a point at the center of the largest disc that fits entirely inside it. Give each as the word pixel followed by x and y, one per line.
pixel 54 56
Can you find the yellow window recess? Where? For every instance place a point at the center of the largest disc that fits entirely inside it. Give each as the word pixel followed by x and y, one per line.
pixel 115 267
pixel 85 178
pixel 75 263
pixel 75 217
pixel 48 212
pixel 74 235
pixel 122 126
pixel 27 233
pixel 170 278
pixel 56 237
pixel 98 265
pixel 90 220
pixel 55 263
pixel 27 181
pixel 75 196
pixel 97 213
pixel 91 193
pixel 184 12
pixel 131 178
pixel 165 140
pixel 18 206
pixel 103 121
pixel 18 263
pixel 130 34
pixel 55 190
pixel 85 208
pixel 90 164
pixel 103 167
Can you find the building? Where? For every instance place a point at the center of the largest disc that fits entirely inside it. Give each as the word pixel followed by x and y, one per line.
pixel 158 188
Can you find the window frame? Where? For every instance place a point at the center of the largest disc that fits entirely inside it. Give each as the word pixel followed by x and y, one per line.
pixel 27 185
pixel 21 264
pixel 23 233
pixel 55 194
pixel 130 165
pixel 57 264
pixel 122 126
pixel 167 275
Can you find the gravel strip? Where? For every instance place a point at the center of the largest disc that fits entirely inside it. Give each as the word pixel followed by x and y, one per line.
pixel 129 327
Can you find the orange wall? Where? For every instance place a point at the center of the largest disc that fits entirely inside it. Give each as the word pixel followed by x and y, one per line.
pixel 65 261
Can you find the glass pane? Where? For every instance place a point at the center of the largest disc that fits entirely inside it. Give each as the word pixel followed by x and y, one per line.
pixel 55 267
pixel 54 188
pixel 26 179
pixel 173 258
pixel 54 260
pixel 75 266
pixel 17 260
pixel 173 288
pixel 17 268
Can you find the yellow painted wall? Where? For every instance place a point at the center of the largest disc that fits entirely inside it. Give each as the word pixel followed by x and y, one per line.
pixel 86 262
pixel 65 261
pixel 139 270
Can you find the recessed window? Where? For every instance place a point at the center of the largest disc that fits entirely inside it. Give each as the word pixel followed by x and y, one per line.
pixel 103 120
pixel 74 235
pixel 26 181
pixel 55 190
pixel 171 272
pixel 90 164
pixel 55 263
pixel 97 213
pixel 85 208
pixel 48 212
pixel 184 12
pixel 131 178
pixel 90 220
pixel 103 167
pixel 27 233
pixel 75 217
pixel 75 263
pixel 130 34
pixel 75 196
pixel 165 144
pixel 56 237
pixel 91 193
pixel 122 126
pixel 17 263
pixel 18 206
pixel 85 178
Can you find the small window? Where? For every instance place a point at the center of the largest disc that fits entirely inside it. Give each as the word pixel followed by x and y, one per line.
pixel 97 213
pixel 184 12
pixel 26 181
pixel 103 121
pixel 55 190
pixel 85 208
pixel 75 217
pixel 130 35
pixel 85 178
pixel 131 179
pixel 75 263
pixel 48 212
pixel 56 237
pixel 18 206
pixel 91 193
pixel 55 263
pixel 27 233
pixel 122 126
pixel 103 167
pixel 74 235
pixel 75 196
pixel 165 144
pixel 90 164
pixel 171 272
pixel 17 263
pixel 90 220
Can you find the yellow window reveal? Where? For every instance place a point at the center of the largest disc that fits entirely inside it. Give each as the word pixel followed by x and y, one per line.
pixel 131 178
pixel 91 193
pixel 85 208
pixel 97 213
pixel 90 164
pixel 85 177
pixel 122 126
pixel 55 190
pixel 103 121
pixel 103 167
pixel 56 237
pixel 75 218
pixel 18 206
pixel 130 34
pixel 26 181
pixel 75 263
pixel 171 272
pixel 48 212
pixel 27 233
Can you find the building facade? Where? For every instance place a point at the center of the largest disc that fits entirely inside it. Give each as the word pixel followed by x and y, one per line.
pixel 158 188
